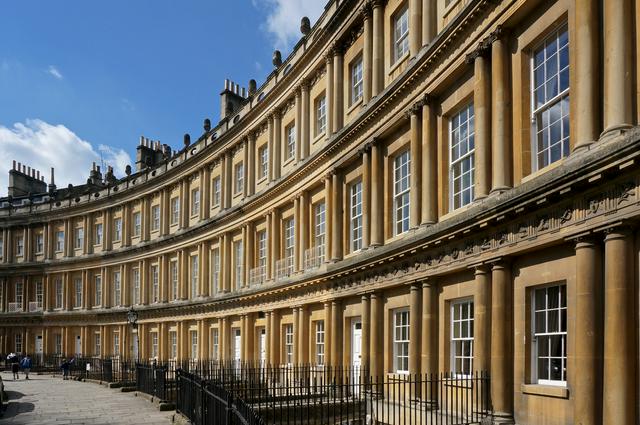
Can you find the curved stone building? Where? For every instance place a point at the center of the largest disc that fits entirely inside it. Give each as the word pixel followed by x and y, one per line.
pixel 420 186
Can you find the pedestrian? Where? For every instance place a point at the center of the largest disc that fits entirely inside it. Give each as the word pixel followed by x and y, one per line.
pixel 15 367
pixel 66 364
pixel 26 365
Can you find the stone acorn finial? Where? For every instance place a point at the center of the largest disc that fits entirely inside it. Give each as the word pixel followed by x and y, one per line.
pixel 252 87
pixel 127 170
pixel 305 25
pixel 187 139
pixel 277 58
pixel 207 125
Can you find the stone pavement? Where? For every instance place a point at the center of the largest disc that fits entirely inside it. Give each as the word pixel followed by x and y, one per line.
pixel 47 400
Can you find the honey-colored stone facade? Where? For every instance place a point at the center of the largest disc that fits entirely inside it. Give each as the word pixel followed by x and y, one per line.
pixel 335 205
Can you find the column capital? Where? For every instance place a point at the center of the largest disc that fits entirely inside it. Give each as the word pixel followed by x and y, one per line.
pixel 429 282
pixel 337 48
pixel 377 3
pixel 500 263
pixel 500 33
pixel 366 148
pixel 618 231
pixel 366 10
pixel 416 286
pixel 480 269
pixel 328 56
pixel 481 50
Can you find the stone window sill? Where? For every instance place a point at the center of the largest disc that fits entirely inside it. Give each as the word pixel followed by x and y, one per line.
pixel 545 390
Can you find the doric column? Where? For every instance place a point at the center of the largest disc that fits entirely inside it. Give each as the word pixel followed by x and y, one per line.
pixel 429 343
pixel 328 330
pixel 245 164
pixel 303 335
pixel 164 278
pixel 249 256
pixel 297 249
pixel 415 26
pixel 588 319
pixel 377 80
pixel 305 127
pixel 482 320
pixel 415 334
pixel 86 304
pixel 366 196
pixel 336 332
pixel 267 339
pixel 336 236
pixel 250 326
pixel 277 145
pixel 205 193
pixel 226 275
pixel 227 190
pixel 275 338
pixel 329 92
pixel 296 342
pixel 328 199
pixel 501 330
pixel 183 282
pixel 302 223
pixel 269 225
pixel 366 330
pixel 377 194
pixel 338 87
pixel 367 52
pixel 620 386
pixel 586 74
pixel 275 240
pixel 500 113
pixel 617 66
pixel 146 213
pixel 482 111
pixel 203 263
pixel 415 191
pixel 429 164
pixel 377 329
pixel 429 21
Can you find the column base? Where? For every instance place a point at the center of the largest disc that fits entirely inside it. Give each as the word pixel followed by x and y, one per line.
pixel 501 419
pixel 498 190
pixel 613 131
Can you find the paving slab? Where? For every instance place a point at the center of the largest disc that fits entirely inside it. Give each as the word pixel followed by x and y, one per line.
pixel 48 400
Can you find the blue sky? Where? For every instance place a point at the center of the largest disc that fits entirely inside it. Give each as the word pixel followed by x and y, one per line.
pixel 81 78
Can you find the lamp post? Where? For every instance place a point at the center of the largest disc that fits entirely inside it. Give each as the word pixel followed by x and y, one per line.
pixel 132 320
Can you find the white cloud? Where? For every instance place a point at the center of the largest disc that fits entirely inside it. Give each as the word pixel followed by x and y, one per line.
pixel 283 18
pixel 54 71
pixel 41 145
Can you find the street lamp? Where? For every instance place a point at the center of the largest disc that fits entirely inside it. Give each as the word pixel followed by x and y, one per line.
pixel 132 319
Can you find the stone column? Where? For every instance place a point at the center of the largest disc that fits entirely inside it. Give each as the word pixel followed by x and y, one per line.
pixel 277 145
pixel 228 181
pixel 482 320
pixel 297 249
pixel 415 333
pixel 415 26
pixel 429 21
pixel 618 66
pixel 251 166
pixel 336 332
pixel 270 147
pixel 203 263
pixel 302 223
pixel 250 325
pixel 338 87
pixel 296 342
pixel 366 331
pixel 429 164
pixel 429 343
pixel 205 194
pixel 275 241
pixel 586 73
pixel 183 282
pixel 249 251
pixel 328 330
pixel 377 329
pixel 366 196
pixel 367 52
pixel 588 317
pixel 269 268
pixel 377 194
pixel 275 338
pixel 245 164
pixel 305 127
pixel 620 386
pixel 501 156
pixel 501 364
pixel 267 342
pixel 303 335
pixel 328 195
pixel 415 191
pixel 377 79
pixel 226 275
pixel 336 235
pixel 298 123
pixel 481 106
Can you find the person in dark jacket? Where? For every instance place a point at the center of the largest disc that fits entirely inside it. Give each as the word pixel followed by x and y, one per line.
pixel 15 367
pixel 65 366
pixel 26 364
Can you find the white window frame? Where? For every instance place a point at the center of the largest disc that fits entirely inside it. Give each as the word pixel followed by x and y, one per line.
pixel 98 234
pixel 79 240
pixel 400 33
pixel 462 335
pixel 215 344
pixel 458 140
pixel 561 99
pixel 77 285
pixel 401 192
pixel 357 83
pixel 20 246
pixel 154 345
pixel 135 279
pixel 175 210
pixel 289 234
pixel 320 229
pixel 173 344
pixel 355 216
pixel 401 329
pixel 290 132
pixel 18 342
pixel 215 187
pixel 545 311
pixel 173 273
pixel 59 294
pixel 97 280
pixel 264 162
pixel 137 223
pixel 320 344
pixel 288 344
pixel 97 344
pixel 321 115
pixel 117 288
pixel 239 178
pixel 155 217
pixel 238 263
pixel 117 229
pixel 215 267
pixel 59 242
pixel 155 283
pixel 193 338
pixel 39 294
pixel 194 265
pixel 39 244
pixel 195 202
pixel 116 343
pixel 19 293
